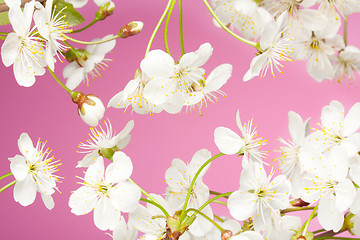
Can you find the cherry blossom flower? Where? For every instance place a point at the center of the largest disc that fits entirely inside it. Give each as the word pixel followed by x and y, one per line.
pixel 133 94
pixel 179 177
pixel 90 108
pixel 326 180
pixel 108 194
pixel 34 172
pixel 337 129
pixel 90 64
pixel 289 161
pixel 244 15
pixel 347 62
pixel 23 48
pixel 258 197
pixel 204 91
pixel 103 142
pixel 275 48
pixel 51 27
pixel 230 142
pixel 171 81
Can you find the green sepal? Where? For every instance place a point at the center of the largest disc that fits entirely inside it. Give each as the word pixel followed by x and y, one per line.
pixel 108 152
pixel 73 17
pixel 173 223
pixel 187 222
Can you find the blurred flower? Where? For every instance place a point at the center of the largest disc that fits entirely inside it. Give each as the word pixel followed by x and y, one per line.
pixel 289 161
pixel 108 195
pixel 51 27
pixel 338 129
pixel 22 47
pixel 124 231
pixel 103 143
pixel 326 180
pixel 34 172
pixel 90 108
pixel 258 197
pixel 347 62
pixel 88 62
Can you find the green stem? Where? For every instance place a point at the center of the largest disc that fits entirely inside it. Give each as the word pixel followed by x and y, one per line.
pixel 2 38
pixel 318 231
pixel 220 202
pixel 182 216
pixel 216 193
pixel 306 225
pixel 157 27
pixel 7 186
pixel 295 209
pixel 206 217
pixel 86 27
pixel 167 26
pixel 148 195
pixel 212 200
pixel 181 34
pixel 92 43
pixel 4 33
pixel 156 205
pixel 345 31
pixel 6 175
pixel 219 218
pixel 59 82
pixel 253 44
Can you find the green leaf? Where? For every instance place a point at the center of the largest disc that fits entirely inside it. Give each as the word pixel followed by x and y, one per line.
pixel 4 19
pixel 72 17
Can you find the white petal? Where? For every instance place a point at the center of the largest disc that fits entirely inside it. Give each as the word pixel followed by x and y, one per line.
pixel 25 191
pixel 77 75
pixel 10 48
pixel 19 168
pixel 218 77
pixel 296 127
pixel 352 120
pixel 227 140
pixel 158 63
pixel 105 214
pixel 345 194
pixel 48 201
pixel 83 200
pixel 241 205
pixel 95 173
pixel 88 160
pixel 197 58
pixel 120 170
pixel 158 91
pixel 329 216
pixel 199 158
pixel 174 104
pixel 25 145
pixel 125 196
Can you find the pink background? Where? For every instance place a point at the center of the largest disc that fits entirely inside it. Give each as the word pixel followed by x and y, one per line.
pixel 46 111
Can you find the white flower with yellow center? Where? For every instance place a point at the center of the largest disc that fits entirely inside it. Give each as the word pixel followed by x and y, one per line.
pixel 337 129
pixel 107 194
pixel 347 62
pixel 104 143
pixel 170 81
pixel 51 27
pixel 275 48
pixel 23 48
pixel 326 180
pixel 229 142
pixel 258 197
pixel 133 94
pixel 34 172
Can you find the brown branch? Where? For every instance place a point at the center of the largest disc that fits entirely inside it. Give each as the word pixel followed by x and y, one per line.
pixel 4 8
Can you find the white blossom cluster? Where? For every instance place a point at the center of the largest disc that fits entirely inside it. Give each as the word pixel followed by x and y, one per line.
pixel 164 84
pixel 302 30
